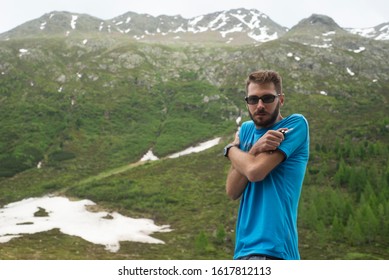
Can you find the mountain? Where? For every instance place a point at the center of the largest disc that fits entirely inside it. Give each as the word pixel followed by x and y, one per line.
pixel 79 109
pixel 238 26
pixel 320 31
pixel 87 71
pixel 55 23
pixel 313 27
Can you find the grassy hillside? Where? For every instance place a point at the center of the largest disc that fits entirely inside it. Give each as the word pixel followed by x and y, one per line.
pixel 84 110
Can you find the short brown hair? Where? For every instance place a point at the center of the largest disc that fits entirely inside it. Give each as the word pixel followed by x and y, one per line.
pixel 265 77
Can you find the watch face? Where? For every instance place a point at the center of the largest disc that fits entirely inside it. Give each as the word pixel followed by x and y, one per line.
pixel 225 151
pixel 226 148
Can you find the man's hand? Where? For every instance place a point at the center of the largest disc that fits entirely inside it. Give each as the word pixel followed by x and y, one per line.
pixel 269 142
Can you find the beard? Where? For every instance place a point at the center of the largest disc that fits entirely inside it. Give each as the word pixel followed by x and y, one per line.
pixel 262 119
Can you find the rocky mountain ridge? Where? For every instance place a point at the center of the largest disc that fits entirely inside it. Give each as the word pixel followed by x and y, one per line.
pixel 237 26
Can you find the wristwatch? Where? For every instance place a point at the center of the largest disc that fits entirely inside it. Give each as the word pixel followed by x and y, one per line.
pixel 227 148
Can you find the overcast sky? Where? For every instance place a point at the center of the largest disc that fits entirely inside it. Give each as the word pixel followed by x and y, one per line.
pixel 347 13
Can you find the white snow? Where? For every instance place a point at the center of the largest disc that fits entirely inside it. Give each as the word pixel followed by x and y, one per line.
pixel 43 25
pixel 255 21
pixel 295 57
pixel 74 22
pixel 179 29
pixel 73 218
pixel 235 29
pixel 194 21
pixel 253 24
pixel 221 19
pixel 149 156
pixel 263 36
pixel 351 73
pixel 323 46
pixel 23 52
pixel 365 32
pixel 199 148
pixel 384 33
pixel 371 32
pixel 139 37
pixel 329 33
pixel 360 49
pixel 383 36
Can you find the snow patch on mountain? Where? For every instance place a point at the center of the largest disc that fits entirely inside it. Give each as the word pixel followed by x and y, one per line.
pixel 149 156
pixel 380 32
pixel 73 22
pixel 74 218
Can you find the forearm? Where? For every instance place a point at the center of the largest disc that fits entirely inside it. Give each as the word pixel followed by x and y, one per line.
pixel 236 183
pixel 254 167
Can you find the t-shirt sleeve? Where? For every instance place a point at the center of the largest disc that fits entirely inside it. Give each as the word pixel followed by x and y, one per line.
pixel 297 135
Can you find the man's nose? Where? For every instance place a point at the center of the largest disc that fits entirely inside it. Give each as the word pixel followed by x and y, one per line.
pixel 260 104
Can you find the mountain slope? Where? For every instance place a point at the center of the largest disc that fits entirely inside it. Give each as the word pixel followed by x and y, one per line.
pixel 56 23
pixel 86 86
pixel 379 32
pixel 78 106
pixel 240 26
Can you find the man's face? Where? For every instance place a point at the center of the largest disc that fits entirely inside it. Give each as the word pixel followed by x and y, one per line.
pixel 264 114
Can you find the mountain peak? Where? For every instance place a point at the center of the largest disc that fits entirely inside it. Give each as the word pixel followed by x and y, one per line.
pixel 318 22
pixel 317 19
pixel 313 29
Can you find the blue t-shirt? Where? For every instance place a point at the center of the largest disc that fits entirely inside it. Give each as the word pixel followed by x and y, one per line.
pixel 267 218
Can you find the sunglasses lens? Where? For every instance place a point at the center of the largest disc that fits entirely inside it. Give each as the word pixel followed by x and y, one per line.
pixel 268 98
pixel 252 100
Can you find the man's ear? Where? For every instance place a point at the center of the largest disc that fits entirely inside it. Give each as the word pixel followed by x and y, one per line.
pixel 282 99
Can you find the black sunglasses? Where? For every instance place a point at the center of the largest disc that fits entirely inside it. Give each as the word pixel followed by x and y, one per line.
pixel 267 98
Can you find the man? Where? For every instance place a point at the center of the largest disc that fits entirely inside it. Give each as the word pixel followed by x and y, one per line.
pixel 268 158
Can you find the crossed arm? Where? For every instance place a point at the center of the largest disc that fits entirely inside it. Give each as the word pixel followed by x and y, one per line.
pixel 254 165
